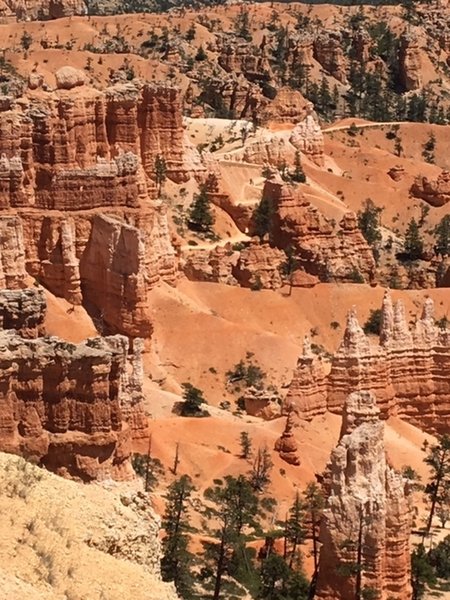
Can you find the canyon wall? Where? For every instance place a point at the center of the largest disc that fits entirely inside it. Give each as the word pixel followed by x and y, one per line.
pixel 70 407
pixel 78 194
pixel 366 523
pixel 407 370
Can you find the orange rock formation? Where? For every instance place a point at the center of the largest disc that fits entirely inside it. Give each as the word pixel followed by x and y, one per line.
pixel 286 446
pixel 320 250
pixel 365 527
pixel 407 370
pixel 435 192
pixel 72 408
pixel 71 156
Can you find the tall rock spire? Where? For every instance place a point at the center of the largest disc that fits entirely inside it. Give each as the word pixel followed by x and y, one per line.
pixel 387 319
pixel 366 523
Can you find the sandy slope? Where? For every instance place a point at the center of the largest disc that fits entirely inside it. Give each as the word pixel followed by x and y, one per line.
pixel 63 540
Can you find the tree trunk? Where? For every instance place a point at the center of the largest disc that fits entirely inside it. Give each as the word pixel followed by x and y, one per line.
pixel 219 570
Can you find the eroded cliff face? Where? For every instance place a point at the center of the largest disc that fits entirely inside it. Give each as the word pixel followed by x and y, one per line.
pixel 408 370
pixel 50 9
pixel 338 255
pixel 410 64
pixel 71 407
pixel 366 523
pixel 78 194
pixel 436 192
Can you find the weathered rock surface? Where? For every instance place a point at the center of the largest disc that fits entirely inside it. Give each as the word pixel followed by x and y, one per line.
pixel 341 255
pixel 259 266
pixel 436 192
pixel 286 445
pixel 410 65
pixel 69 77
pixel 366 522
pixel 76 526
pixel 307 394
pixel 66 159
pixel 12 253
pixel 397 172
pixel 61 404
pixel 214 265
pixel 407 370
pixel 307 136
pixel 53 9
pixel 329 53
pixel 23 311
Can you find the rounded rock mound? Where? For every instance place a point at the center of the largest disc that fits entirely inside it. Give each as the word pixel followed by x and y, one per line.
pixel 69 77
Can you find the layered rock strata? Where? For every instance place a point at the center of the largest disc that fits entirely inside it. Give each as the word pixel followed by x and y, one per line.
pixel 44 9
pixel 23 310
pixel 320 250
pixel 65 406
pixel 407 370
pixel 366 523
pixel 78 195
pixel 259 266
pixel 256 266
pixel 307 394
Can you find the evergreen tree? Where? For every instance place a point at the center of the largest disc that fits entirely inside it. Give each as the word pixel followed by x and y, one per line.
pixel 176 559
pixel 26 40
pixel 429 148
pixel 190 33
pixel 295 532
pixel 413 241
pixel 281 582
pixel 243 25
pixel 438 459
pixel 398 147
pixel 298 175
pixel 201 217
pixel 369 224
pixel 314 503
pixel 421 572
pixel 246 444
pixel 235 507
pixel 201 54
pixel 193 400
pixel 439 558
pixel 262 217
pixel 442 233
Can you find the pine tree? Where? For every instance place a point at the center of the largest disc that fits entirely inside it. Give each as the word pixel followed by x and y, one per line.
pixel 295 532
pixel 442 232
pixel 193 400
pixel 413 241
pixel 438 459
pixel 246 444
pixel 201 54
pixel 176 560
pixel 262 217
pixel 201 217
pixel 314 503
pixel 235 507
pixel 369 224
pixel 421 572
